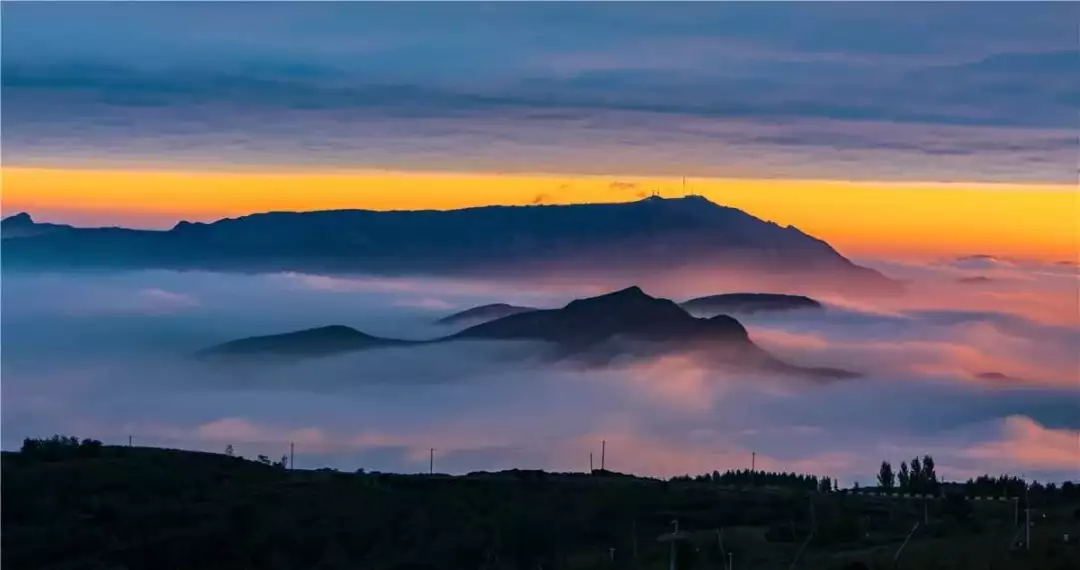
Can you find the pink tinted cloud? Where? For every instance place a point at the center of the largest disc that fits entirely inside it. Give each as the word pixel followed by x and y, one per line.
pixel 976 350
pixel 1027 444
pixel 631 452
pixel 160 300
pixel 430 303
pixel 673 380
pixel 242 431
pixel 147 301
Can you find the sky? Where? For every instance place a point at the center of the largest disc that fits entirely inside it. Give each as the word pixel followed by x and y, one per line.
pixel 903 129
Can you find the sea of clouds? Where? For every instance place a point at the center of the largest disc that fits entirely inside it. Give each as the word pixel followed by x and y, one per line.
pixel 982 375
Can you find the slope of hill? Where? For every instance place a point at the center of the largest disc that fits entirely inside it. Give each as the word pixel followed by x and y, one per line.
pixel 483 314
pixel 651 234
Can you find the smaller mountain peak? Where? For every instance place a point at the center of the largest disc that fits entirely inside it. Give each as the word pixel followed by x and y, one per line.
pixel 631 291
pixel 186 225
pixel 20 219
pixel 628 298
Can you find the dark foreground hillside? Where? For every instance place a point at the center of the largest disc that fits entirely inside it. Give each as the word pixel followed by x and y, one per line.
pixel 135 508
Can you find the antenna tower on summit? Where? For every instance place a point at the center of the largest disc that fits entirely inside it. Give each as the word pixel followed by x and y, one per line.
pixel 684 188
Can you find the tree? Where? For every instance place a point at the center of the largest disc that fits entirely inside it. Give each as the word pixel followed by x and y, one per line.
pixel 929 477
pixel 915 477
pixel 229 450
pixel 60 447
pixel 264 460
pixel 886 478
pixel 904 476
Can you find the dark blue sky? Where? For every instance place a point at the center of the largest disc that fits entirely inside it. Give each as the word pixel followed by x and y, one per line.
pixel 947 91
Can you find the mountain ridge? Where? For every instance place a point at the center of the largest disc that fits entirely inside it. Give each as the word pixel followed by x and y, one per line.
pixel 483 313
pixel 654 234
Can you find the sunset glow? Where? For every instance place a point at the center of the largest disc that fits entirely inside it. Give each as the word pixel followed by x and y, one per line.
pixel 861 218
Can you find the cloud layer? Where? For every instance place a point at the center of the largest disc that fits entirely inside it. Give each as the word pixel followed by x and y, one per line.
pixel 120 369
pixel 905 91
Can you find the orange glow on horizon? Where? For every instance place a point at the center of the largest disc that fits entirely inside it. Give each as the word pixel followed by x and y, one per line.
pixel 858 218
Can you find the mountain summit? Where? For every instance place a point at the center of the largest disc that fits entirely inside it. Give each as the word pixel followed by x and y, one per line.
pixel 629 313
pixel 646 236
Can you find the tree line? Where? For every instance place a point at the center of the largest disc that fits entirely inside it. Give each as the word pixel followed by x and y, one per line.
pixel 918 477
pixel 752 478
pixel 1012 486
pixel 60 447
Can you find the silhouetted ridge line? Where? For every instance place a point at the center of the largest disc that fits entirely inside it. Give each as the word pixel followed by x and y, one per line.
pixel 654 234
pixel 483 313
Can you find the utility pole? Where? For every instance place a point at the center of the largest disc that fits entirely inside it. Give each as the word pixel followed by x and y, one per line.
pixel 292 456
pixel 753 469
pixel 129 441
pixel 674 549
pixel 603 452
pixel 431 461
pixel 723 551
pixel 590 463
pixel 1027 517
pixel 635 540
pixel 813 531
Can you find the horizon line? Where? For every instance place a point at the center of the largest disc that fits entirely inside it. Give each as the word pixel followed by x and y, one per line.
pixel 332 171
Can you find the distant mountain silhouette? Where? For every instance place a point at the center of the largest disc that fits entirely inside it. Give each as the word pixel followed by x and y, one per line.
pixel 322 341
pixel 749 303
pixel 653 234
pixel 22 225
pixel 593 331
pixel 975 280
pixel 483 314
pixel 997 376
